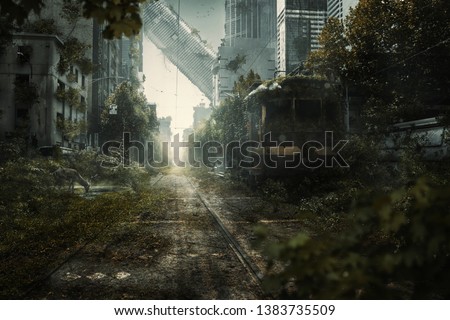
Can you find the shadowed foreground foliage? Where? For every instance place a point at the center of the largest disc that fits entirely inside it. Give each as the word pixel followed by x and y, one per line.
pixel 42 225
pixel 394 246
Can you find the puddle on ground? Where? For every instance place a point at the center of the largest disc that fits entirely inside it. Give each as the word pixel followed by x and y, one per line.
pixel 71 276
pixel 122 275
pixel 192 255
pixel 96 276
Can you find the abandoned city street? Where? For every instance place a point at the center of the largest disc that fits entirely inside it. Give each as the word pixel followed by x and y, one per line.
pixel 225 150
pixel 198 246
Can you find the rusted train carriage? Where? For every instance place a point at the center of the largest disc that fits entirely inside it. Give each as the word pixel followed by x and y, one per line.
pixel 295 119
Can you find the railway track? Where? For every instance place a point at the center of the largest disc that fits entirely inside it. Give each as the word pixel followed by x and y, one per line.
pixel 243 257
pixel 252 269
pixel 207 246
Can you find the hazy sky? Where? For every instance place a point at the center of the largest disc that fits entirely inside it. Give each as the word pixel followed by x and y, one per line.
pixel 208 16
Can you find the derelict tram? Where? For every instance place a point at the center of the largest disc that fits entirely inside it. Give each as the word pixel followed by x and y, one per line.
pixel 295 113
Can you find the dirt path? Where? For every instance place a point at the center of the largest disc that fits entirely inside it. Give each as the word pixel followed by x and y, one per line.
pixel 180 254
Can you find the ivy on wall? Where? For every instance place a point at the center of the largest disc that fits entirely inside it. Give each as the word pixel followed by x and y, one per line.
pixel 70 128
pixel 73 52
pixel 236 63
pixel 42 26
pixel 72 97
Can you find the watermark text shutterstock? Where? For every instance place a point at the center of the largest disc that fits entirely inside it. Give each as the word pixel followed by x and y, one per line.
pixel 248 154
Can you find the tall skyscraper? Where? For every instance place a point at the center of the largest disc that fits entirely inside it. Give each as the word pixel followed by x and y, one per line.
pixel 107 57
pixel 340 8
pixel 254 19
pixel 249 44
pixel 299 25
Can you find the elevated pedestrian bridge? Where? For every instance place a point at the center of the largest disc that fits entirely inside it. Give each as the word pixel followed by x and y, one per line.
pixel 180 44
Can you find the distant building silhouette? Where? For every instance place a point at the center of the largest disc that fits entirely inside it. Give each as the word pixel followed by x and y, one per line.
pixel 340 8
pixel 300 23
pixel 201 114
pixel 249 44
pixel 250 19
pixel 165 131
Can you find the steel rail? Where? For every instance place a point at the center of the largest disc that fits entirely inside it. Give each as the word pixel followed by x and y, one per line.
pixel 242 256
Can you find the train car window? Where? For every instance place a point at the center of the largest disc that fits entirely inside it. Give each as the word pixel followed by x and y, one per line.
pixel 429 137
pixel 279 115
pixel 307 114
pixel 307 110
pixel 331 112
pixel 394 140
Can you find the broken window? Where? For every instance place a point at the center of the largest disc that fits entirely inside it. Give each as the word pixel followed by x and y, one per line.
pixel 277 116
pixel 22 118
pixel 24 54
pixel 308 114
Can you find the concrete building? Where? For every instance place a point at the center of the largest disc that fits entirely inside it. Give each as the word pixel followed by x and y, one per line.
pixel 40 60
pixel 249 44
pixel 165 130
pixel 132 50
pixel 300 23
pixel 201 114
pixel 74 26
pixel 44 100
pixel 253 55
pixel 340 8
pixel 250 19
pixel 114 61
pixel 35 97
pixel 107 57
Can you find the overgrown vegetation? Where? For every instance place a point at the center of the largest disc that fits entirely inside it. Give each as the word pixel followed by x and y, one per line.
pixel 35 242
pixel 394 245
pixel 42 26
pixel 378 229
pixel 42 223
pixel 133 115
pixel 72 52
pixel 71 128
pixel 119 18
pixel 393 53
pixel 72 97
pixel 228 122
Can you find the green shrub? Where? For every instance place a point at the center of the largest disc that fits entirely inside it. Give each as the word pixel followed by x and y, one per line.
pixel 11 149
pixel 395 245
pixel 24 185
pixel 41 226
pixel 274 192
